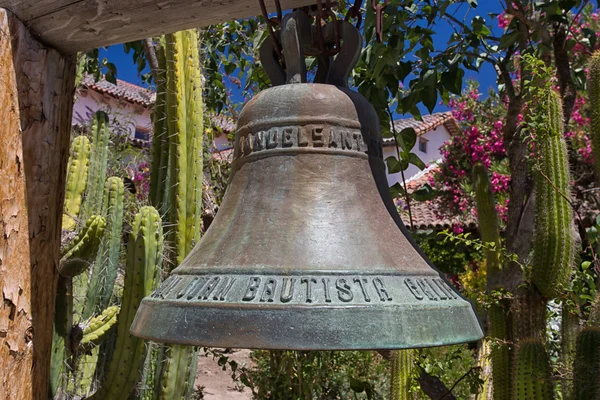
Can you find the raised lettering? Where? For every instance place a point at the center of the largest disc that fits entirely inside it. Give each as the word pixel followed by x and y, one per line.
pixel 309 282
pixel 252 289
pixel 333 138
pixel 426 289
pixel 269 290
pixel 260 141
pixel 433 286
pixel 360 143
pixel 287 293
pixel 195 287
pixel 317 137
pixel 344 290
pixel 303 137
pixel 209 287
pixel 273 139
pixel 381 290
pixel 247 144
pixel 362 282
pixel 444 287
pixel 346 139
pixel 172 285
pixel 414 289
pixel 326 289
pixel 288 136
pixel 221 294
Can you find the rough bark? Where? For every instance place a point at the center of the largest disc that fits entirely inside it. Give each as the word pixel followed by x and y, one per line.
pixel 36 103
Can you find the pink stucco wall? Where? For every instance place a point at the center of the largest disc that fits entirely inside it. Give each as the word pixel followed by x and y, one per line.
pixel 128 115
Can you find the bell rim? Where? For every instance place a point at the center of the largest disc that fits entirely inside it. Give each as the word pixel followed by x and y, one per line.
pixel 355 328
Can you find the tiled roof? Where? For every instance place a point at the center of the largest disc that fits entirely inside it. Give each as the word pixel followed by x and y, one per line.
pixel 122 90
pixel 429 123
pixel 426 214
pixel 223 155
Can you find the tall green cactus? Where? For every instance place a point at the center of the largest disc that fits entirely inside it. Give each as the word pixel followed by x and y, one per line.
pixel 144 258
pixel 77 173
pixel 99 158
pixel 587 364
pixel 159 173
pixel 402 364
pixel 179 119
pixel 532 377
pixel 554 243
pixel 593 90
pixel 106 266
pixel 487 218
pixel 569 329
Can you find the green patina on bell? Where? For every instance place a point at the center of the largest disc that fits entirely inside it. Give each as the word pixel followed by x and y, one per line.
pixel 307 251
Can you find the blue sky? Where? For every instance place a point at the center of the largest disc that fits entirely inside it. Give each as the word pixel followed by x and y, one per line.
pixel 126 69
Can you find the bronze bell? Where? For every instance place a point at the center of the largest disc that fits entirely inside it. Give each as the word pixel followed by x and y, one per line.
pixel 307 251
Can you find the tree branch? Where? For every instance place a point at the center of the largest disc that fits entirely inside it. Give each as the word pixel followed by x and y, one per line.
pixel 563 71
pixel 150 51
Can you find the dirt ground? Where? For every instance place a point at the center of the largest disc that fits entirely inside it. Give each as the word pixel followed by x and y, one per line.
pixel 217 383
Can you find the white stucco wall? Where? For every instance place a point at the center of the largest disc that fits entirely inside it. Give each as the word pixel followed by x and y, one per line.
pixel 436 139
pixel 128 115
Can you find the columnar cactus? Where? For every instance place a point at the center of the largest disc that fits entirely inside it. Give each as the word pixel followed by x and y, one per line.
pixel 77 173
pixel 593 89
pixel 569 329
pixel 587 364
pixel 554 246
pixel 78 256
pixel 106 266
pixel 159 173
pixel 144 257
pixel 402 363
pixel 490 234
pixel 532 378
pixel 99 158
pixel 180 109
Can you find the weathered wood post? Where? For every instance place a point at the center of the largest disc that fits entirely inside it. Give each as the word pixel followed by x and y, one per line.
pixel 36 96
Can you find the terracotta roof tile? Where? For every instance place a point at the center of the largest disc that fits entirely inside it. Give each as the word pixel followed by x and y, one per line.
pixel 429 123
pixel 223 155
pixel 426 214
pixel 122 90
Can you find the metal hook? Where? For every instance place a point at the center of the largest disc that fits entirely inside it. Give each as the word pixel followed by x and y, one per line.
pixel 343 63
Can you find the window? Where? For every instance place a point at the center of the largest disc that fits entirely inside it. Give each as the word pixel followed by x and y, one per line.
pixel 142 133
pixel 423 145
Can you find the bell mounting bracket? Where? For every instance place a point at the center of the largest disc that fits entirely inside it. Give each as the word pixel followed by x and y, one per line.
pixel 299 39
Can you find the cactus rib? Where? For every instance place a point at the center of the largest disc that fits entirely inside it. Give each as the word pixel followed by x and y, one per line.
pixel 144 255
pixel 402 361
pixel 554 246
pixel 77 173
pixel 532 379
pixel 105 268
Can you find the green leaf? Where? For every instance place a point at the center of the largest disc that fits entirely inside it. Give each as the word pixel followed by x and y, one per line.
pixel 424 193
pixel 396 190
pixel 416 161
pixel 393 165
pixel 406 139
pixel 508 39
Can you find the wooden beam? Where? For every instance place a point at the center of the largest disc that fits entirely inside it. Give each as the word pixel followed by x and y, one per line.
pixel 76 25
pixel 36 101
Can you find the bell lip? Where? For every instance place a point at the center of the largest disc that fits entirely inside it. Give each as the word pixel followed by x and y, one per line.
pixel 300 327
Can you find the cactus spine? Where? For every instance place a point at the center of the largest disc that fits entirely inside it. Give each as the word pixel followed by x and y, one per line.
pixel 181 112
pixel 593 89
pixel 402 362
pixel 81 251
pixel 587 364
pixel 99 157
pixel 490 234
pixel 532 379
pixel 77 173
pixel 98 327
pixel 554 246
pixel 106 266
pixel 159 174
pixel 144 257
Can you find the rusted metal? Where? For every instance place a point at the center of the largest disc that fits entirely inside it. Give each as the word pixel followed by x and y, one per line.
pixel 307 251
pixel 379 8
